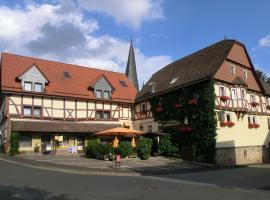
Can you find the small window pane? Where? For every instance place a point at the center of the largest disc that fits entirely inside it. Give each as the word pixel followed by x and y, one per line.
pixel 228 117
pixel 27 86
pixel 143 107
pixel 222 91
pixel 99 94
pixel 243 94
pixel 106 95
pixel 150 129
pixel 27 111
pixel 253 99
pixel 123 83
pixel 38 87
pixel 98 114
pixel 25 141
pixel 106 115
pixel 37 111
pixel 234 94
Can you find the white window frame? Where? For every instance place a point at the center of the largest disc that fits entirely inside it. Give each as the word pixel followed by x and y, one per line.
pixel 252 98
pixel 106 92
pixel 226 117
pixel 233 93
pixel 220 90
pixel 252 119
pixel 25 88
pixel 30 109
pixel 38 84
pixel 232 69
pixel 245 74
pixel 243 94
pixel 35 109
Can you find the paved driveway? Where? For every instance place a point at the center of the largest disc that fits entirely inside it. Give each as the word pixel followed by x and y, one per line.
pixel 157 165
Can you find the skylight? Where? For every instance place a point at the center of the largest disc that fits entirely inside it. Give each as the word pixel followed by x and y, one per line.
pixel 123 83
pixel 66 74
pixel 173 81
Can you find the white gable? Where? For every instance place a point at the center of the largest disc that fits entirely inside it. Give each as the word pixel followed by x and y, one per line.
pixel 33 75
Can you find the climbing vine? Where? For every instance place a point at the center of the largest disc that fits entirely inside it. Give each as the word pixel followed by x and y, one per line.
pixel 192 112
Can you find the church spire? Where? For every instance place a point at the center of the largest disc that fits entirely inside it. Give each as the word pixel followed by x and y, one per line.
pixel 131 71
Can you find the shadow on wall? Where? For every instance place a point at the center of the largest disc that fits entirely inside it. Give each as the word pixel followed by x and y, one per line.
pixel 227 155
pixel 266 149
pixel 26 193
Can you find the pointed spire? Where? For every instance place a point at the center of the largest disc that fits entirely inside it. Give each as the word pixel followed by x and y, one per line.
pixel 131 71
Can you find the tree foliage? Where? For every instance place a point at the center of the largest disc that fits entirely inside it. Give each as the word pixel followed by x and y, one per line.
pixel 14 143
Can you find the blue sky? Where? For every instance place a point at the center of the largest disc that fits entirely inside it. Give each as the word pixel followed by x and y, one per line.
pixel 96 33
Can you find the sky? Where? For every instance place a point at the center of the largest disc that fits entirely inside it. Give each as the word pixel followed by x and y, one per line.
pixel 97 33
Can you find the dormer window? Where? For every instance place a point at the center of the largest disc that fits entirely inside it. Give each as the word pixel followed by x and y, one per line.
pixel 106 95
pixel 99 94
pixel 38 87
pixel 102 88
pixel 28 86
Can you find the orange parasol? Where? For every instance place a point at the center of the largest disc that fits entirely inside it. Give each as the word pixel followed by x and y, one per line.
pixel 120 131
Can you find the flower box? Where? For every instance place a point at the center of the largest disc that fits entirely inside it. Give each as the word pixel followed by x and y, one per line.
pixel 159 109
pixel 254 104
pixel 193 102
pixel 178 105
pixel 224 98
pixel 253 126
pixel 229 124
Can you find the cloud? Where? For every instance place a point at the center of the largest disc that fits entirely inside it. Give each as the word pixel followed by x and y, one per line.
pixel 56 33
pixel 130 13
pixel 265 41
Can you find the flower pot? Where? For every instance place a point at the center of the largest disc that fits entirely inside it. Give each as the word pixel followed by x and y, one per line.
pixel 224 98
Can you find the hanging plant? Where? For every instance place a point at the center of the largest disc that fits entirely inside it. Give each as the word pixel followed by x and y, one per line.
pixel 193 102
pixel 224 98
pixel 178 105
pixel 254 104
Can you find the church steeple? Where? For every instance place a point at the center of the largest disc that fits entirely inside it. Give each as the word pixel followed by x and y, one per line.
pixel 131 71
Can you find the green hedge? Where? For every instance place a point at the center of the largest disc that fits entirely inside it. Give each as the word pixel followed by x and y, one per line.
pixel 124 149
pixel 144 148
pixel 166 147
pixel 14 143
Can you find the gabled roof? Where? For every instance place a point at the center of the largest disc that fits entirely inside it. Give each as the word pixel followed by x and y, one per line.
pixel 76 86
pixel 94 81
pixel 30 67
pixel 196 67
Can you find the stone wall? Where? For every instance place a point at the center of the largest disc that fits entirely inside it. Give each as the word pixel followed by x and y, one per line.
pixel 242 155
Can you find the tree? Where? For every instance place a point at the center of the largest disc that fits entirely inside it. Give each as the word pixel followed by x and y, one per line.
pixel 263 76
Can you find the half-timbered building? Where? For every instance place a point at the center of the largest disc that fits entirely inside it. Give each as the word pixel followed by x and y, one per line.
pixel 47 101
pixel 242 103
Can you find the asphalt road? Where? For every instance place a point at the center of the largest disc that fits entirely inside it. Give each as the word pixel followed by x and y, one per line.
pixel 20 182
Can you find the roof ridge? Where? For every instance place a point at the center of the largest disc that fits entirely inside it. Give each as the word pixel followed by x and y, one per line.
pixel 71 65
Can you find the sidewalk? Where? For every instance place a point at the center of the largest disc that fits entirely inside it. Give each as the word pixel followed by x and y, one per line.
pixel 129 167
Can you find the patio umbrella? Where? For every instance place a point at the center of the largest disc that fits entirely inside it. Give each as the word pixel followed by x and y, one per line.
pixel 120 131
pixel 133 144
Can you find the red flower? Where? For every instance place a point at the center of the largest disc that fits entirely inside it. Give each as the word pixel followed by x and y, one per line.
pixel 230 124
pixel 254 104
pixel 178 105
pixel 159 109
pixel 256 125
pixel 224 98
pixel 193 102
pixel 251 126
pixel 222 124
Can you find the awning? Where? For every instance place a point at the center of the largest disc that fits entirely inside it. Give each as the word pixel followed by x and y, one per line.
pixel 60 126
pixel 120 131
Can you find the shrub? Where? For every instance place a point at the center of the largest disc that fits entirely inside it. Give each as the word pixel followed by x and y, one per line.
pixel 92 148
pixel 166 147
pixel 144 148
pixel 125 149
pixel 14 143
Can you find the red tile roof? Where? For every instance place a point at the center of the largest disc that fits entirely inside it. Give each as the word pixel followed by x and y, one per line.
pixel 76 86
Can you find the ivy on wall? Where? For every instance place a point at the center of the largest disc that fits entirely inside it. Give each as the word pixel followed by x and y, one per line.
pixel 192 111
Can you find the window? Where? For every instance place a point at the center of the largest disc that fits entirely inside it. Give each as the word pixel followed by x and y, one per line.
pixel 66 74
pixel 106 115
pixel 245 74
pixel 268 101
pixel 243 94
pixel 37 111
pixel 252 120
pixel 141 127
pixel 99 94
pixel 123 83
pixel 27 86
pixel 98 114
pixel 38 87
pixel 225 117
pixel 222 91
pixel 27 110
pixel 173 81
pixel 150 128
pixel 143 107
pixel 228 117
pixel 268 122
pixel 252 98
pixel 234 93
pixel 106 95
pixel 25 141
pixel 232 70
